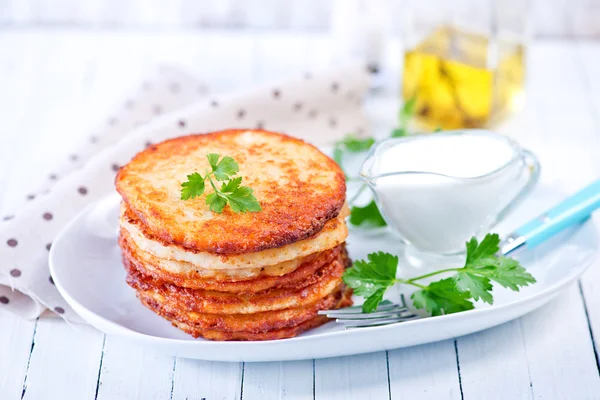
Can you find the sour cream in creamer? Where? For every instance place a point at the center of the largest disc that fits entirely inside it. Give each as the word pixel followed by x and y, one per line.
pixel 439 190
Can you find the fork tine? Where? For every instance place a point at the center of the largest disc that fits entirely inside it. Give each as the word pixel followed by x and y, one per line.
pixel 375 314
pixel 383 306
pixel 361 323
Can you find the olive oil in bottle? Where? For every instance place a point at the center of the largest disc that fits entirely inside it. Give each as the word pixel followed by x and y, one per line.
pixel 463 80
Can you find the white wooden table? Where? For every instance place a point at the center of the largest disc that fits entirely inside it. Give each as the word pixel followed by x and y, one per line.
pixel 54 82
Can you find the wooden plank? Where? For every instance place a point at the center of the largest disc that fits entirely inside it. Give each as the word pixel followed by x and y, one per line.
pixel 197 380
pixel 278 380
pixel 494 362
pixel 132 372
pixel 360 377
pixel 559 350
pixel 589 64
pixel 16 338
pixel 65 361
pixel 424 372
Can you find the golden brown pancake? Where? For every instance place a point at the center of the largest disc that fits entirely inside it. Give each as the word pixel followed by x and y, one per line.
pixel 261 326
pixel 301 277
pixel 274 261
pixel 299 189
pixel 215 302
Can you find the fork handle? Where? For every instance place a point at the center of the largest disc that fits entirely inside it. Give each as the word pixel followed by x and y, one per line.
pixel 571 211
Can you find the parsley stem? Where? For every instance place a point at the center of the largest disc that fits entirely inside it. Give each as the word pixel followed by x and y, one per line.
pixel 408 282
pixel 416 278
pixel 213 184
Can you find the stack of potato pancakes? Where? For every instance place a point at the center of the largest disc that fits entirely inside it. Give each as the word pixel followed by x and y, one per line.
pixel 236 276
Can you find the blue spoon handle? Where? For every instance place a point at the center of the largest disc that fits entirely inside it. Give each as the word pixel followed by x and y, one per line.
pixel 569 212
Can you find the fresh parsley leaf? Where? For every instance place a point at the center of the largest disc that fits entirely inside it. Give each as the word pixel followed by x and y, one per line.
pixel 223 169
pixel 240 198
pixel 243 200
pixel 442 297
pixel 373 301
pixel 479 287
pixel 509 273
pixel 399 132
pixel 368 215
pixel 216 201
pixel 356 145
pixel 370 279
pixel 476 252
pixel 232 185
pixel 193 187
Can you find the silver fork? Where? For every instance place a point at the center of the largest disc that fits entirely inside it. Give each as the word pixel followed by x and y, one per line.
pixel 386 313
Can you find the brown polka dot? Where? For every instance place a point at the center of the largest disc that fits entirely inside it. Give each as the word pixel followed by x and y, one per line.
pixel 335 86
pixel 59 310
pixel 332 122
pixel 15 273
pixel 115 167
pixel 174 87
pixel 312 113
pixel 181 123
pixel 112 121
pixel 260 125
pixel 7 217
pixel 51 280
pixel 47 216
pixel 214 103
pixel 30 196
pixel 129 104
pixel 52 177
pixel 157 109
pixel 276 93
pixel 240 114
pixel 148 144
pixel 73 157
pixel 82 190
pixel 48 246
pixel 372 68
pixel 4 300
pixel 94 139
pixel 297 106
pixel 12 242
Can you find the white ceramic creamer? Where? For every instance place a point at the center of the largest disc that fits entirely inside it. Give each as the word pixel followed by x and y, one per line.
pixel 439 190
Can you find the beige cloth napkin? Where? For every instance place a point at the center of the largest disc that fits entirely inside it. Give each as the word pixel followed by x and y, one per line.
pixel 318 107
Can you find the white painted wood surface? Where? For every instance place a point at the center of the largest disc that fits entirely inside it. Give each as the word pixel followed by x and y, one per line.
pixel 56 84
pixel 554 18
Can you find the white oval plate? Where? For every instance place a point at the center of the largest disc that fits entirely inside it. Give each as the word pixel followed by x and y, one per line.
pixel 85 263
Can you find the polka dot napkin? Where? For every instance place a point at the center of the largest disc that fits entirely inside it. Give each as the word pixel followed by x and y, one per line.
pixel 319 108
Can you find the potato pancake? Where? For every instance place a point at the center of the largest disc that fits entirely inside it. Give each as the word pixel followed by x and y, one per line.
pixel 299 189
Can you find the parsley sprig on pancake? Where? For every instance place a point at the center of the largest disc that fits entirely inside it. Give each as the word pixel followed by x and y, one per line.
pixel 240 198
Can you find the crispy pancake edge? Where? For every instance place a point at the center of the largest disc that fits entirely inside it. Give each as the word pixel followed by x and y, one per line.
pixel 255 323
pixel 300 277
pixel 333 233
pixel 277 334
pixel 289 213
pixel 213 302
